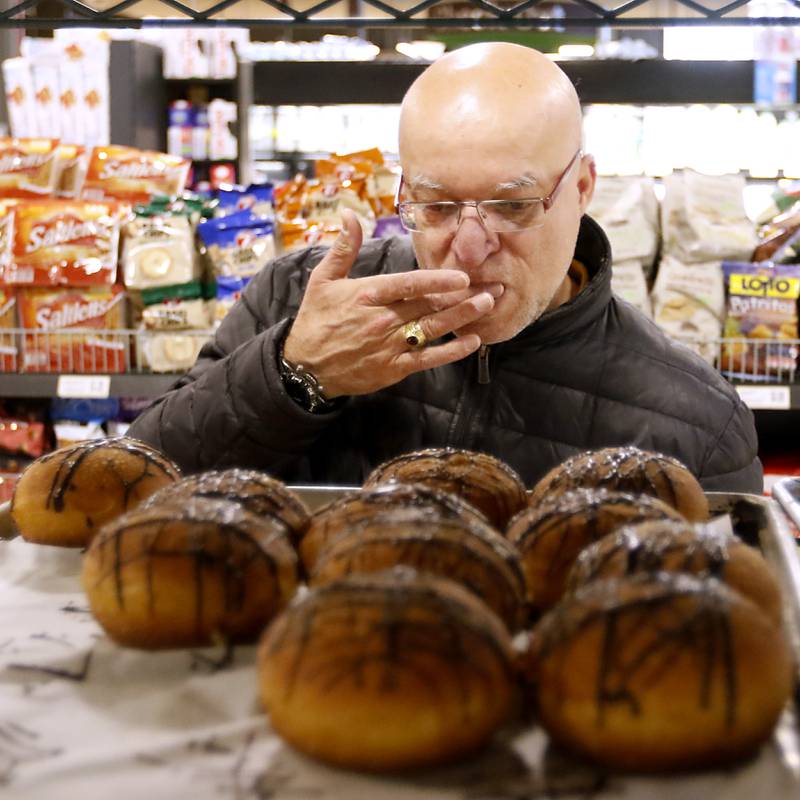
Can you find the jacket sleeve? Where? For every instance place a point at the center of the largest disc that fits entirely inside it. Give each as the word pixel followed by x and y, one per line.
pixel 231 409
pixel 732 463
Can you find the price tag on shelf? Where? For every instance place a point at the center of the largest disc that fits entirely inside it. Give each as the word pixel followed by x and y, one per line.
pixel 83 386
pixel 777 398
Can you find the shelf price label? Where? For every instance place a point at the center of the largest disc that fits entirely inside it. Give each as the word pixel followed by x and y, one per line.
pixel 776 398
pixel 83 386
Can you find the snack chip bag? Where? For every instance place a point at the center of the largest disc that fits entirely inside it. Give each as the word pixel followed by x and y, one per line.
pixel 300 233
pixel 124 173
pixel 229 290
pixel 8 342
pixel 158 251
pixel 289 197
pixel 165 351
pixel 71 167
pixel 761 329
pixel 62 242
pixel 257 198
pixel 239 244
pixel 27 167
pixel 176 314
pixel 82 319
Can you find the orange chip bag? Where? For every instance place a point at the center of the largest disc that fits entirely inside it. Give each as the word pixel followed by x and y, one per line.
pixel 125 173
pixel 299 233
pixel 6 233
pixel 71 169
pixel 81 317
pixel 27 167
pixel 8 344
pixel 62 242
pixel 289 197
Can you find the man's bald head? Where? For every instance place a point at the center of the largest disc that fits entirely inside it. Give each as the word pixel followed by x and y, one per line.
pixel 492 95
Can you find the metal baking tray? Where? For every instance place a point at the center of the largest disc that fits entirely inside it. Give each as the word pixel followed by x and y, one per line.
pixel 521 764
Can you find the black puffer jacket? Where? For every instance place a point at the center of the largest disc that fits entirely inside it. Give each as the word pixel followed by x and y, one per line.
pixel 594 372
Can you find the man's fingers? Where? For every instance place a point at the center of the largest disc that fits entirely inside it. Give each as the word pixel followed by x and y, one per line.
pixel 431 303
pixel 384 290
pixel 343 252
pixel 458 316
pixel 430 357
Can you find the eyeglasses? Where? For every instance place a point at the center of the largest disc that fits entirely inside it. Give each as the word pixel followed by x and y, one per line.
pixel 500 216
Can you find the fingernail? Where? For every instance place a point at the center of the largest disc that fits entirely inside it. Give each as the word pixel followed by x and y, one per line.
pixel 495 289
pixel 483 301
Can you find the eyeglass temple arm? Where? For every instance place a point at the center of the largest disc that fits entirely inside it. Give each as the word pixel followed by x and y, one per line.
pixel 551 198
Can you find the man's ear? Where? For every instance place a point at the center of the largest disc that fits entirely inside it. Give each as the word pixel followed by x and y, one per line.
pixel 586 181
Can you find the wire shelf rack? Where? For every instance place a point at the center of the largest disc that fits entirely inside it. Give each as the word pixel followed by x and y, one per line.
pixel 145 351
pixel 98 351
pixel 385 13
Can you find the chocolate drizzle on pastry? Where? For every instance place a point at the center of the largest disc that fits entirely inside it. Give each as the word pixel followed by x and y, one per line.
pixel 73 457
pixel 255 491
pixel 482 480
pixel 214 544
pixel 472 554
pixel 550 537
pixel 422 504
pixel 683 614
pixel 409 618
pixel 631 470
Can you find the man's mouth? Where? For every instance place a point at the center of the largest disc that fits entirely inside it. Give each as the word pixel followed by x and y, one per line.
pixel 494 289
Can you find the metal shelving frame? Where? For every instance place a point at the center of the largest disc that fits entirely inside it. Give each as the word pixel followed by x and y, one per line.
pixel 385 14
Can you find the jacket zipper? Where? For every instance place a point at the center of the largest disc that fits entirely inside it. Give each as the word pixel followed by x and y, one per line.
pixel 483 364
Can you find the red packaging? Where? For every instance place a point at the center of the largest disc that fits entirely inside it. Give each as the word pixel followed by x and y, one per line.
pixel 124 173
pixel 73 330
pixel 8 481
pixel 27 167
pixel 62 242
pixel 8 341
pixel 20 437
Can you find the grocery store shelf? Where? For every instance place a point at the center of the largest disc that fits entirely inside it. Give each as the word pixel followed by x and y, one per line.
pixel 431 14
pixel 770 397
pixel 46 385
pixel 651 81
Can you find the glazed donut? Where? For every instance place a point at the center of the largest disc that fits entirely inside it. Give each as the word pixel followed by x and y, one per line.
pixel 337 517
pixel 550 537
pixel 671 546
pixel 188 574
pixel 386 672
pixel 470 553
pixel 64 497
pixel 256 492
pixel 482 480
pixel 627 469
pixel 660 673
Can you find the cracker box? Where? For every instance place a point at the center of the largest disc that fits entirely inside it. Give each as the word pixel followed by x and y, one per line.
pixel 72 330
pixel 47 93
pixel 58 242
pixel 94 105
pixel 18 83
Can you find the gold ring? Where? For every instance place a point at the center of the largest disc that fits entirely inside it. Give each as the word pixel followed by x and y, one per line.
pixel 414 335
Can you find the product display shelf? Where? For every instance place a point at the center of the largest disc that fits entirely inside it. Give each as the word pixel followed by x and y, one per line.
pixel 99 363
pixel 36 363
pixel 238 90
pixel 647 81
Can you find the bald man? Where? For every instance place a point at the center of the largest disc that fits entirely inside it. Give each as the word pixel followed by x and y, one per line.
pixel 491 327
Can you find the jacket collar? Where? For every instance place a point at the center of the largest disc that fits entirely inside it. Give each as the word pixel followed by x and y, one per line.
pixel 594 251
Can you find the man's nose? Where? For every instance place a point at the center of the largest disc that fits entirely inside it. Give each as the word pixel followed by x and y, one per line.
pixel 472 242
